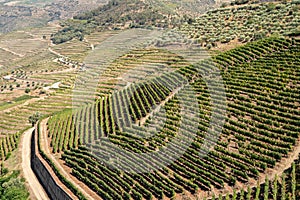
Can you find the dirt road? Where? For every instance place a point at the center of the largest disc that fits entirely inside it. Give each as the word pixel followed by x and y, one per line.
pixel 44 147
pixel 34 184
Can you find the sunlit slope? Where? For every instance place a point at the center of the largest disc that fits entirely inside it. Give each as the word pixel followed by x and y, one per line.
pixel 261 127
pixel 241 24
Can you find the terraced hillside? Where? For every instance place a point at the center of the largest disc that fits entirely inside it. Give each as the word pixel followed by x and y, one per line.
pixel 43 81
pixel 29 69
pixel 260 131
pixel 282 187
pixel 16 15
pixel 116 15
pixel 241 24
pixel 153 112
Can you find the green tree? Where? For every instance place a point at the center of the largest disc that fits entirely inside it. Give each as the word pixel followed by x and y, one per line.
pixel 11 186
pixel 27 90
pixel 34 118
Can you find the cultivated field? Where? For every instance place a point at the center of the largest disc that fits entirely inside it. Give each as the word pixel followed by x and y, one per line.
pixel 261 128
pixel 221 122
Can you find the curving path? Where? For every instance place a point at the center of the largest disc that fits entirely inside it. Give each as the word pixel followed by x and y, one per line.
pixel 45 147
pixel 29 175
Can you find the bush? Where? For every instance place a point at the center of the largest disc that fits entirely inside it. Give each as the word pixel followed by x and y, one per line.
pixel 8 155
pixel 34 118
pixel 42 92
pixel 11 186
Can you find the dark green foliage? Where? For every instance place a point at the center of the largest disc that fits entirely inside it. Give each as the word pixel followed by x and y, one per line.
pixel 247 22
pixel 262 120
pixel 34 118
pixel 11 186
pixel 114 15
pixel 27 90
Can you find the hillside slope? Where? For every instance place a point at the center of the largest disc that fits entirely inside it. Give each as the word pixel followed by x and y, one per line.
pixel 120 14
pixel 16 15
pixel 261 128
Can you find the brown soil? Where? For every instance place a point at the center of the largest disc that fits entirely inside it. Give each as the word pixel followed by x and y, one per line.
pixel 35 188
pixel 66 171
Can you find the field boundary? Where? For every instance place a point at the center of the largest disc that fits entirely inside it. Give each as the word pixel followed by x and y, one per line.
pixel 46 154
pixel 37 190
pixel 43 173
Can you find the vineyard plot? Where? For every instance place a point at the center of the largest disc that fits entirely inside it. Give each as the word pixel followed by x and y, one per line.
pixel 262 125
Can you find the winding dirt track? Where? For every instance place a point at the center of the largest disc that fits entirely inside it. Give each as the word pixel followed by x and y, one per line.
pixel 29 175
pixel 45 148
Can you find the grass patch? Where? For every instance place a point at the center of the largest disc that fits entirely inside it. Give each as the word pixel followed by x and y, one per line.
pixel 15 102
pixel 24 97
